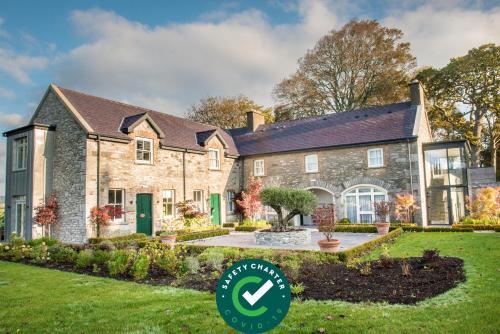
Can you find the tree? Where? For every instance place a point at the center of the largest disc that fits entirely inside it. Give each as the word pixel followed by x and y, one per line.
pixel 294 201
pixel 47 214
pixel 324 218
pixel 465 101
pixel 226 112
pixel 250 203
pixel 405 208
pixel 485 205
pixel 360 65
pixel 99 216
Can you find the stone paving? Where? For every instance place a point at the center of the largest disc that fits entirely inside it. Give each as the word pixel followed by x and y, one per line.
pixel 247 240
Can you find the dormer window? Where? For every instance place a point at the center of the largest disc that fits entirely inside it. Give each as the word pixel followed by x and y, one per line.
pixel 144 150
pixel 213 159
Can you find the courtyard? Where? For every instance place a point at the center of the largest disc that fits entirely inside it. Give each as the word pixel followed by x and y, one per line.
pixel 247 240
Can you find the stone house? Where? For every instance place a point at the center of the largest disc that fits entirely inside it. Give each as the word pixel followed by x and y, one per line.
pixel 92 151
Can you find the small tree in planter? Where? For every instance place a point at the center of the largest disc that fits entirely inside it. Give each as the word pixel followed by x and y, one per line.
pixel 99 216
pixel 382 210
pixel 47 214
pixel 405 208
pixel 250 202
pixel 293 201
pixel 324 218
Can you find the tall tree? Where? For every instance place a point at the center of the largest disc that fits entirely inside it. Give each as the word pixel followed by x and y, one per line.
pixel 465 101
pixel 226 112
pixel 359 65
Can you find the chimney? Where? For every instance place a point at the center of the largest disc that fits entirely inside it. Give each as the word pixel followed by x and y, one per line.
pixel 254 119
pixel 416 93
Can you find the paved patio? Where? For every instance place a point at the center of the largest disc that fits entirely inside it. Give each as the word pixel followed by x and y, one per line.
pixel 247 240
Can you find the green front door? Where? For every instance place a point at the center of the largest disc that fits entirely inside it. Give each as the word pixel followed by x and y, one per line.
pixel 144 214
pixel 215 208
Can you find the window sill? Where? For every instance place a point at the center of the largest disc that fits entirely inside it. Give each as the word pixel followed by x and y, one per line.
pixel 19 170
pixel 380 166
pixel 312 172
pixel 139 162
pixel 256 175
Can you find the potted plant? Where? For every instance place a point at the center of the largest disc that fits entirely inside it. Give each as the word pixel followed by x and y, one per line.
pixel 324 218
pixel 169 238
pixel 382 210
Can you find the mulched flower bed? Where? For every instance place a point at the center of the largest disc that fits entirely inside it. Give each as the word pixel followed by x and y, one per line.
pixel 385 281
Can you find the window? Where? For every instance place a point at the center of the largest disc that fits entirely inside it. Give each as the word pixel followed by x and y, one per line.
pixel 258 168
pixel 20 153
pixel 311 162
pixel 115 204
pixel 144 150
pixel 198 200
pixel 19 215
pixel 168 203
pixel 358 203
pixel 231 205
pixel 213 158
pixel 375 157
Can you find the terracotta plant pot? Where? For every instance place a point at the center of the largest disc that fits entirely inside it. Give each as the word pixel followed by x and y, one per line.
pixel 169 240
pixel 329 246
pixel 382 228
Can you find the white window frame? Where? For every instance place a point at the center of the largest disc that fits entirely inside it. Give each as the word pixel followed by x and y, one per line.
pixel 115 204
pixel 151 151
pixel 200 205
pixel 164 203
pixel 374 191
pixel 258 170
pixel 314 165
pixel 20 143
pixel 377 165
pixel 19 201
pixel 231 201
pixel 213 164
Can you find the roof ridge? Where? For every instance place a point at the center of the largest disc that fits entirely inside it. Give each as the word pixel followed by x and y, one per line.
pixel 135 106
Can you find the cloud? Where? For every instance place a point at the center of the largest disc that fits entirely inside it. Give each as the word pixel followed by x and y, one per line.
pixel 11 119
pixel 18 66
pixel 439 33
pixel 7 93
pixel 170 67
pixel 3 33
pixel 181 63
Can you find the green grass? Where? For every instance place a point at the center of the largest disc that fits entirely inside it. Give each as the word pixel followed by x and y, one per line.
pixel 37 300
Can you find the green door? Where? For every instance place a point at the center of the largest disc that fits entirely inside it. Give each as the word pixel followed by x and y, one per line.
pixel 144 214
pixel 215 208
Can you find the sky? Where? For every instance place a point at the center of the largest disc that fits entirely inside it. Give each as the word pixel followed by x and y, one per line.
pixel 167 55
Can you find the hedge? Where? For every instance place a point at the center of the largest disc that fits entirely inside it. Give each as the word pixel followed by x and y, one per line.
pixel 436 229
pixel 243 228
pixel 228 225
pixel 476 227
pixel 202 234
pixel 368 246
pixel 124 238
pixel 407 228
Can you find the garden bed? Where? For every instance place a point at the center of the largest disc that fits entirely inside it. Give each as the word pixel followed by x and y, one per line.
pixel 382 283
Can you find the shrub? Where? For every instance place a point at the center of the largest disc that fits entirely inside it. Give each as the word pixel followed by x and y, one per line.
pixel 120 239
pixel 250 202
pixel 293 201
pixel 485 205
pixel 344 221
pixel 213 257
pixel 106 245
pixel 355 228
pixel 245 228
pixel 405 208
pixel 169 263
pixel 474 227
pixel 297 289
pixel 49 241
pixel 259 224
pixel 383 209
pixel 119 262
pixel 84 259
pixel 191 264
pixel 366 269
pixel 367 246
pixel 101 257
pixel 140 268
pixel 62 254
pixel 324 218
pixel 472 221
pixel 405 268
pixel 430 255
pixel 202 234
pixel 39 253
pixel 228 225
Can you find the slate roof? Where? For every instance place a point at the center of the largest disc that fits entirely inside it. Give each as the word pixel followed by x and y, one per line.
pixel 363 126
pixel 106 118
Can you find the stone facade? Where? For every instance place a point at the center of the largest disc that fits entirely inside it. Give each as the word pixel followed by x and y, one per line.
pixel 294 238
pixel 119 170
pixel 69 168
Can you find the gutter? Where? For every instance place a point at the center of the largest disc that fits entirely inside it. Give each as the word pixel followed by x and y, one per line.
pixel 184 175
pixel 98 170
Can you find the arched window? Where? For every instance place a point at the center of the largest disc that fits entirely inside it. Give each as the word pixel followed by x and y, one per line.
pixel 358 203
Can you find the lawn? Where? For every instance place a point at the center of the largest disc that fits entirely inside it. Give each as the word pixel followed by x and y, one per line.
pixel 37 300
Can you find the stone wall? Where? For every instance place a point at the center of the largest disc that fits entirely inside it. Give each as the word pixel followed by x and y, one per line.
pixel 68 168
pixel 120 171
pixel 339 169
